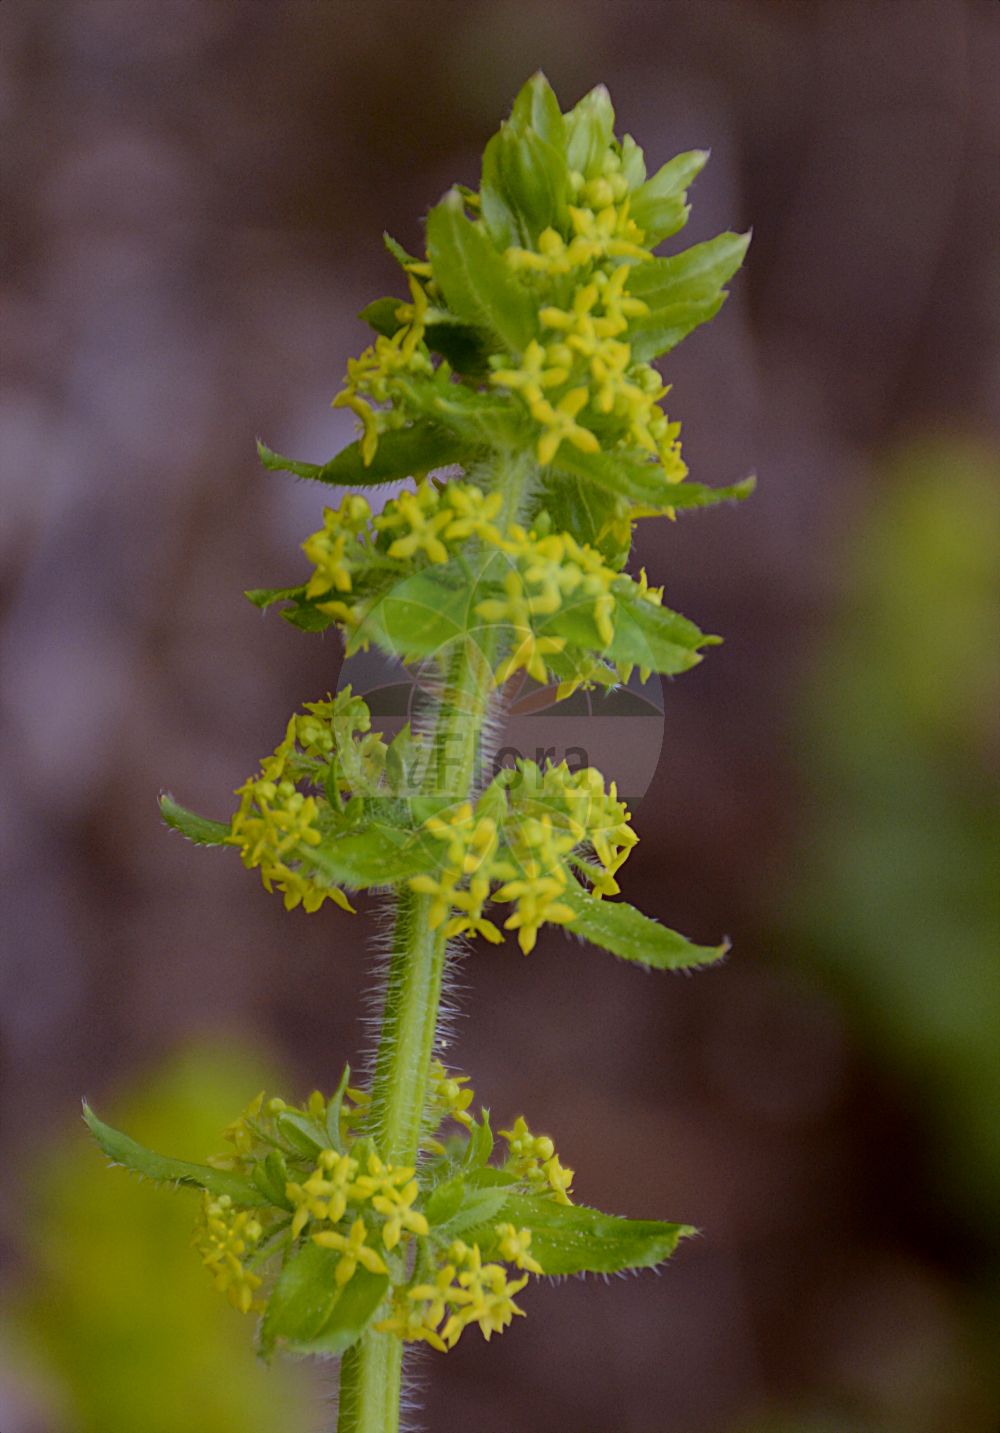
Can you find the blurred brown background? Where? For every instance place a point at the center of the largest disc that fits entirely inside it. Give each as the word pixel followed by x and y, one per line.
pixel 194 192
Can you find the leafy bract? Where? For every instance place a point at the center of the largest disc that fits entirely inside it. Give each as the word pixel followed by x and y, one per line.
pixel 418 616
pixel 653 638
pixel 198 829
pixel 572 1239
pixel 683 292
pixel 525 181
pixel 309 1312
pixel 479 287
pixel 626 932
pixel 644 482
pixel 401 453
pixel 589 129
pixel 380 856
pixel 126 1151
pixel 659 206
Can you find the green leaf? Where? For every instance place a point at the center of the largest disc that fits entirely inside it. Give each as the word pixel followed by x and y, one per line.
pixel 125 1151
pixel 662 331
pixel 537 108
pixel 304 613
pixel 198 829
pixel 420 615
pixel 403 259
pixel 444 1202
pixel 536 177
pixel 633 162
pixel 643 482
pixel 645 636
pixel 307 617
pixel 265 597
pixel 480 1145
pixel 626 932
pixel 501 222
pixel 694 274
pixel 477 419
pixel 475 280
pixel 572 1239
pixel 380 315
pixel 618 474
pixel 478 1207
pixel 309 1313
pixel 656 638
pixel 271 1177
pixel 589 130
pixel 579 507
pixel 382 856
pixel 401 453
pixel 302 1133
pixel 466 348
pixel 658 206
pixel 683 292
pixel 334 1105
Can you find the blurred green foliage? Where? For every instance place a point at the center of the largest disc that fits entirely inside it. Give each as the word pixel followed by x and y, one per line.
pixel 902 903
pixel 119 1319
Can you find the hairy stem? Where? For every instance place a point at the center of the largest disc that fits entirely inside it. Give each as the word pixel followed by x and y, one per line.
pixel 371 1372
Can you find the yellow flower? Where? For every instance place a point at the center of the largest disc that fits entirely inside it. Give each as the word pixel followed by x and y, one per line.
pixel 515 611
pixel 562 426
pixel 442 888
pixel 609 233
pixel 447 1097
pixel 396 1204
pixel 435 1296
pixel 559 1178
pixel 535 374
pixel 525 1148
pixel 223 1236
pixel 354 1251
pixel 486 1294
pixel 325 1193
pixel 421 518
pixel 369 427
pixel 514 1245
pixel 412 1325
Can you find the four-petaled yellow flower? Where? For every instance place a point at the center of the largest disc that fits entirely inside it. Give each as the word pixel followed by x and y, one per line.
pixel 561 425
pixel 353 1249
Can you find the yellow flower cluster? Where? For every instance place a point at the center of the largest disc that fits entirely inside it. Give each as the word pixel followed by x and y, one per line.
pixel 337 553
pixel 465 1291
pixel 369 376
pixel 521 836
pixel 438 518
pixel 538 878
pixel 534 1159
pixel 602 228
pixel 583 372
pixel 276 823
pixel 549 570
pixel 432 521
pixel 379 1189
pixel 579 804
pixel 448 1097
pixel 534 879
pixel 366 1211
pixel 463 883
pixel 223 1236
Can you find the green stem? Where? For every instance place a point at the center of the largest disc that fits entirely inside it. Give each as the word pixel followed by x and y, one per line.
pixel 371 1372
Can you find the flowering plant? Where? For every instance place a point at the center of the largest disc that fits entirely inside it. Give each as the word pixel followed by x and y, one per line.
pixel 377 1217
